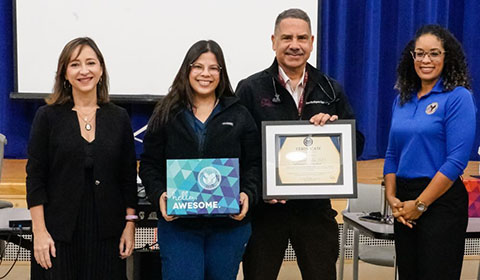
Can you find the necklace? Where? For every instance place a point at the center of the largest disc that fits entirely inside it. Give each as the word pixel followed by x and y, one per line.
pixel 85 118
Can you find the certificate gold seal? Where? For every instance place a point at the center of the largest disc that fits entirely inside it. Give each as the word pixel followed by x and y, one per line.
pixel 308 160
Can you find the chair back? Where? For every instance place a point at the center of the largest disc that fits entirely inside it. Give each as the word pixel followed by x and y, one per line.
pixel 3 142
pixel 369 199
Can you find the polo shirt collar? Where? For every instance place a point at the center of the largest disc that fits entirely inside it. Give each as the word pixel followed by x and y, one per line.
pixel 438 87
pixel 286 79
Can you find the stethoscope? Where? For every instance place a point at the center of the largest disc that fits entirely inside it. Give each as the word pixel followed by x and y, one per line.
pixel 332 99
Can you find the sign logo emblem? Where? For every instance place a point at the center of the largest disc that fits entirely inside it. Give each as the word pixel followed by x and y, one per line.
pixel 431 108
pixel 209 178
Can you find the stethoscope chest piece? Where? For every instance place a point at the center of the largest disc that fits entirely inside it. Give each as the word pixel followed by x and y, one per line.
pixel 276 98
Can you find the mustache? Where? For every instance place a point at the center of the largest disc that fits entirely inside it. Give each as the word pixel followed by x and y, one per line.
pixel 294 52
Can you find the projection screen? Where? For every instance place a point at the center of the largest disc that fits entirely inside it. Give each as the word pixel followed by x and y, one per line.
pixel 144 42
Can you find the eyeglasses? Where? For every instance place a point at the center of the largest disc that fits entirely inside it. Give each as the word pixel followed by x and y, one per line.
pixel 434 55
pixel 198 68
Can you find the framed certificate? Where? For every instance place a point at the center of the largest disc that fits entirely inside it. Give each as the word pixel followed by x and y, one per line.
pixel 303 161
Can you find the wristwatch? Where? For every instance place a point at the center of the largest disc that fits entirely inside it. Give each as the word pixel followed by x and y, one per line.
pixel 421 206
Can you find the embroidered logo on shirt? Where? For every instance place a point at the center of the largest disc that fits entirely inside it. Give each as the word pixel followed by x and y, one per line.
pixel 431 108
pixel 314 102
pixel 265 102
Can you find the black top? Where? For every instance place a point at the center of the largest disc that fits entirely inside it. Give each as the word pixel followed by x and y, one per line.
pixel 56 168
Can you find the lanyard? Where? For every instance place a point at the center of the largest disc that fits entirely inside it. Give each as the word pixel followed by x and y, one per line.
pixel 301 100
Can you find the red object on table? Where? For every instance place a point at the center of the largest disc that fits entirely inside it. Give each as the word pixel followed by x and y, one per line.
pixel 473 187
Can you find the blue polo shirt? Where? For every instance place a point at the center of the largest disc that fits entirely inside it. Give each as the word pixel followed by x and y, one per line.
pixel 431 134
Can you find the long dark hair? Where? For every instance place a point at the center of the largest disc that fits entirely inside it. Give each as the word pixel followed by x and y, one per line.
pixel 454 74
pixel 62 90
pixel 180 94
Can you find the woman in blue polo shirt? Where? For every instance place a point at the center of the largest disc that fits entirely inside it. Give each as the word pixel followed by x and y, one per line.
pixel 431 137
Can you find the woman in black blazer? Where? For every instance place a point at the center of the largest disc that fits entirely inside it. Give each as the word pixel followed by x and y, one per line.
pixel 81 174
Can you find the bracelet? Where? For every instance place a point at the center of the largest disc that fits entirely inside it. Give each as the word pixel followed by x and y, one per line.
pixel 131 218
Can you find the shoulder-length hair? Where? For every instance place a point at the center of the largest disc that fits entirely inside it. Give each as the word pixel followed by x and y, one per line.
pixel 454 74
pixel 180 94
pixel 62 90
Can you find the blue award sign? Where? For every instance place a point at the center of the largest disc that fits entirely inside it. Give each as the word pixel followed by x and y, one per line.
pixel 203 186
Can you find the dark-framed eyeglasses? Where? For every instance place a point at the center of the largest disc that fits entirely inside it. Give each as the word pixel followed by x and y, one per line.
pixel 198 68
pixel 434 55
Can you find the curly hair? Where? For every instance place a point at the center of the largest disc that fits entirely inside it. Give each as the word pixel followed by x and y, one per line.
pixel 454 73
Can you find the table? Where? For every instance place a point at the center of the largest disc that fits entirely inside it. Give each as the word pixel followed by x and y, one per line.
pixel 385 231
pixel 14 235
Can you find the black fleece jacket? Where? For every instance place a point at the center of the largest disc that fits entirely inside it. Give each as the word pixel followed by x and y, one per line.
pixel 231 133
pixel 258 93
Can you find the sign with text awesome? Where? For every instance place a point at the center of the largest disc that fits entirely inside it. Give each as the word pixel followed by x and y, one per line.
pixel 203 186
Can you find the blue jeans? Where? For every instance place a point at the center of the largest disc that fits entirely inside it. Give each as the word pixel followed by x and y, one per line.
pixel 201 254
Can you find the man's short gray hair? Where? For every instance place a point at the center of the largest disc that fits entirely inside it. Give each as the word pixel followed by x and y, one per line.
pixel 293 13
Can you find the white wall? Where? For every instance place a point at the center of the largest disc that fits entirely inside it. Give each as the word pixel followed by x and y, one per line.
pixel 145 41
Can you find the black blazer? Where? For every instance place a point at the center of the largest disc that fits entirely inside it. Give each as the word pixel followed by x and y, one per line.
pixel 56 168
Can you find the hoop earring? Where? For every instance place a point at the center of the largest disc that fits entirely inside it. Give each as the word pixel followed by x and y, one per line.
pixel 66 84
pixel 100 81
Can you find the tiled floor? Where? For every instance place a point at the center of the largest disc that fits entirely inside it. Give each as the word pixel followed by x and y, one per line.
pixel 289 271
pixel 20 271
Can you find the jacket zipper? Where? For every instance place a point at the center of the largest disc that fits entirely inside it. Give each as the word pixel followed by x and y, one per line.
pixel 207 134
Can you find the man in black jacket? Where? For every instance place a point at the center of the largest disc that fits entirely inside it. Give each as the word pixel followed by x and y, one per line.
pixel 292 89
